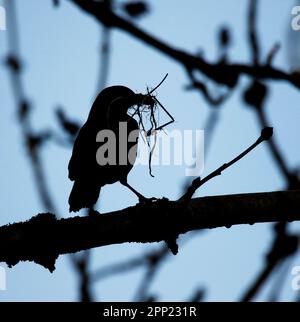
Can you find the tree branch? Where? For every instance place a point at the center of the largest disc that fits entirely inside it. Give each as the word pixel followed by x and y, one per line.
pixel 253 41
pixel 227 74
pixel 43 238
pixel 266 134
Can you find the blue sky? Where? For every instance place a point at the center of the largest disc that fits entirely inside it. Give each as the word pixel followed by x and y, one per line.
pixel 60 49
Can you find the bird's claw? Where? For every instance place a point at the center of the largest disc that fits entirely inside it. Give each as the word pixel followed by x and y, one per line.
pixel 93 212
pixel 144 200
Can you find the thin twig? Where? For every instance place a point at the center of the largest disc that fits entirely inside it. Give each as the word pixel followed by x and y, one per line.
pixel 203 89
pixel 283 247
pixel 253 41
pixel 105 59
pixel 290 177
pixel 266 133
pixel 282 274
pixel 129 265
pixel 157 86
pixel 272 53
pixel 142 291
pixel 154 264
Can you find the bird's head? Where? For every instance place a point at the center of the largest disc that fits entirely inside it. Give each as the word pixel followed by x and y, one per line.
pixel 115 101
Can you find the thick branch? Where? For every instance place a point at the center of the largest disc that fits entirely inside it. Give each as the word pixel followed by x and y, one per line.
pixel 43 238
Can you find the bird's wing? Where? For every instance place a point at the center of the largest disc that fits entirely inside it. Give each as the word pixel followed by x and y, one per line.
pixel 81 152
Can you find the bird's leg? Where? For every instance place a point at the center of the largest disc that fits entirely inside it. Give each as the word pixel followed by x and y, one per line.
pixel 140 196
pixel 93 212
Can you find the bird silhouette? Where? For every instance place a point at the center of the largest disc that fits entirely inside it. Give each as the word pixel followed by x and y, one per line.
pixel 109 109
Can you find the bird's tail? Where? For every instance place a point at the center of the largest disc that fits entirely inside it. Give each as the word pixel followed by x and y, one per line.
pixel 83 195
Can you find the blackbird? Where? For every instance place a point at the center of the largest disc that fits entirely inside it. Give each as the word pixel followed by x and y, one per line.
pixel 110 108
